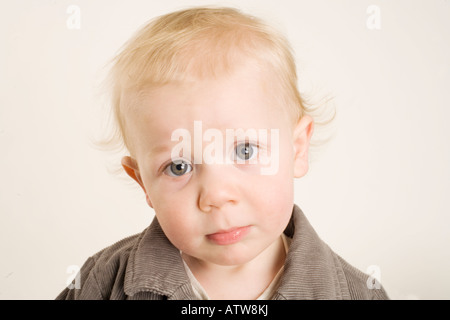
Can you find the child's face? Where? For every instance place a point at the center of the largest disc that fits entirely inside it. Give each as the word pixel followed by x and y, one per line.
pixel 199 206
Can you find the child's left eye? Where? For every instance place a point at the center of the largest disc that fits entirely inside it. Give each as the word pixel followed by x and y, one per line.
pixel 246 151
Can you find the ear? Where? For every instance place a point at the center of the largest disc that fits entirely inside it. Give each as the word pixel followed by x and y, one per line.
pixel 301 140
pixel 131 168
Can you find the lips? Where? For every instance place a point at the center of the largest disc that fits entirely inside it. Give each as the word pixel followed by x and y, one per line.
pixel 230 236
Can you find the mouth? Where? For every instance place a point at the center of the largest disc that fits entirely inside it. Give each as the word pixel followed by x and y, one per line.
pixel 229 236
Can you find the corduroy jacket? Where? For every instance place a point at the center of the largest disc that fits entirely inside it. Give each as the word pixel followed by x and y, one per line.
pixel 147 266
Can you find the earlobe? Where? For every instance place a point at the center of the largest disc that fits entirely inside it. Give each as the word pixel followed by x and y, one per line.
pixel 131 168
pixel 301 140
pixel 148 201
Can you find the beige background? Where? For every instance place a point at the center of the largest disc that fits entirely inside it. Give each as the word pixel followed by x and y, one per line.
pixel 377 193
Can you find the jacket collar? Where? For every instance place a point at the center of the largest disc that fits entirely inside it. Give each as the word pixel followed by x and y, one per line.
pixel 155 266
pixel 311 270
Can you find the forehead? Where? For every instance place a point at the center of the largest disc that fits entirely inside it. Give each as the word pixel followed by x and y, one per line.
pixel 245 99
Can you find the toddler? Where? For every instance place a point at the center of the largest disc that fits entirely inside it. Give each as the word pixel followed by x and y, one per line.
pixel 207 105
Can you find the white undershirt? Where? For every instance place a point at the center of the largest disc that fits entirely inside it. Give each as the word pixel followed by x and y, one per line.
pixel 201 294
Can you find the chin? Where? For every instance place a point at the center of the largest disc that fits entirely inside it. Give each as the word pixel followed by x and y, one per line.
pixel 232 257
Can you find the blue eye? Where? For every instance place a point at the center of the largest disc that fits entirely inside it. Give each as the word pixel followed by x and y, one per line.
pixel 246 151
pixel 178 168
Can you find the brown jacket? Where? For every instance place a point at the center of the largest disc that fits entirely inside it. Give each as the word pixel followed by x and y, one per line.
pixel 147 266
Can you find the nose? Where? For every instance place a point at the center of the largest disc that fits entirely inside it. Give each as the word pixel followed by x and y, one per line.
pixel 218 187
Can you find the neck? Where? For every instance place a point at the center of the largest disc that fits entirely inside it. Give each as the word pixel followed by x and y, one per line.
pixel 245 281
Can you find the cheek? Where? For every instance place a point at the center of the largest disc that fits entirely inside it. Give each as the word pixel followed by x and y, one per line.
pixel 279 209
pixel 178 228
pixel 275 195
pixel 175 215
pixel 272 204
pixel 279 185
pixel 165 194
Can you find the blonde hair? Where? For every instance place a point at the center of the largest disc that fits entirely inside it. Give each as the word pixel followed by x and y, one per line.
pixel 198 42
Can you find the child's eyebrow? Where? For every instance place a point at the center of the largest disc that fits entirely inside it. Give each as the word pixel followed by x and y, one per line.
pixel 159 149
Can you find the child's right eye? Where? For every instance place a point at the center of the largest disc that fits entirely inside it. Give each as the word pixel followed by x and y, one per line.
pixel 178 168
